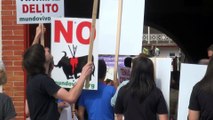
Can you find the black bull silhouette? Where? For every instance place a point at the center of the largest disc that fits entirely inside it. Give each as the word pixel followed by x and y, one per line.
pixel 73 66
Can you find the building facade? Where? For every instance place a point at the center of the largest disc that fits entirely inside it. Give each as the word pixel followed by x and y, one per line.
pixel 11 49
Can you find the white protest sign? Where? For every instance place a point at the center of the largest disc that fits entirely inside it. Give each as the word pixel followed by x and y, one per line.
pixel 163 75
pixel 69 46
pixel 190 74
pixel 131 27
pixel 39 11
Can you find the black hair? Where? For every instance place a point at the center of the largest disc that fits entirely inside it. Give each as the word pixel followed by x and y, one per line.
pixel 128 61
pixel 101 69
pixel 34 60
pixel 141 78
pixel 207 81
pixel 210 47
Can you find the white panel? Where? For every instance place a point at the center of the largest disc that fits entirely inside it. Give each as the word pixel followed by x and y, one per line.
pixel 163 75
pixel 131 27
pixel 190 74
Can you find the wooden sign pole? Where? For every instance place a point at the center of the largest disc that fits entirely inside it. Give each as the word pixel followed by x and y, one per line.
pixel 92 34
pixel 120 6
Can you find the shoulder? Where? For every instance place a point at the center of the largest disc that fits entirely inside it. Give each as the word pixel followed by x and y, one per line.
pixel 124 83
pixel 105 87
pixel 37 77
pixel 41 78
pixel 196 87
pixel 4 96
pixel 109 89
pixel 157 92
pixel 203 61
pixel 122 90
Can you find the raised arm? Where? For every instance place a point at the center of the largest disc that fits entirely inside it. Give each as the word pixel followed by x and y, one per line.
pixel 39 33
pixel 75 92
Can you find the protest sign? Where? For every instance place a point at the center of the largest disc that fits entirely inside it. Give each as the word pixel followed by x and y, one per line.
pixel 69 46
pixel 39 11
pixel 131 27
pixel 190 74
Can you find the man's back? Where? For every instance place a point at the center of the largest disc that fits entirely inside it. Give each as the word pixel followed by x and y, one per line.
pixel 97 103
pixel 7 110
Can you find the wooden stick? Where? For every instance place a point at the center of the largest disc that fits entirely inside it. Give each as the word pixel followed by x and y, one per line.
pixel 73 110
pixel 92 34
pixel 120 5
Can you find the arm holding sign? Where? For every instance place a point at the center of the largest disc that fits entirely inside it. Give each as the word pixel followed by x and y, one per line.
pixel 39 32
pixel 74 93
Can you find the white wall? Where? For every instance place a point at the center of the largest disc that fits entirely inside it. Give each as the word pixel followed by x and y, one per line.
pixel 165 51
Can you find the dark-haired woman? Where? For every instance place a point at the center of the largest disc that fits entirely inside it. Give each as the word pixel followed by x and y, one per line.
pixel 201 101
pixel 140 99
pixel 41 90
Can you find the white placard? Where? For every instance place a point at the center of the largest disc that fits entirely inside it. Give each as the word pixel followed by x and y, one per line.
pixel 69 46
pixel 38 11
pixel 163 75
pixel 190 74
pixel 131 27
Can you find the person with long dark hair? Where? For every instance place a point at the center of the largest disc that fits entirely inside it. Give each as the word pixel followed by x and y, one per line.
pixel 201 105
pixel 41 90
pixel 140 99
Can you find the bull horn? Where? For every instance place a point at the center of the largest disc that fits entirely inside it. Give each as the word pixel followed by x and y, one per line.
pixel 65 54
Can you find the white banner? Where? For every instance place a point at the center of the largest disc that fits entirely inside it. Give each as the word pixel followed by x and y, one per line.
pixel 70 46
pixel 190 74
pixel 131 27
pixel 39 11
